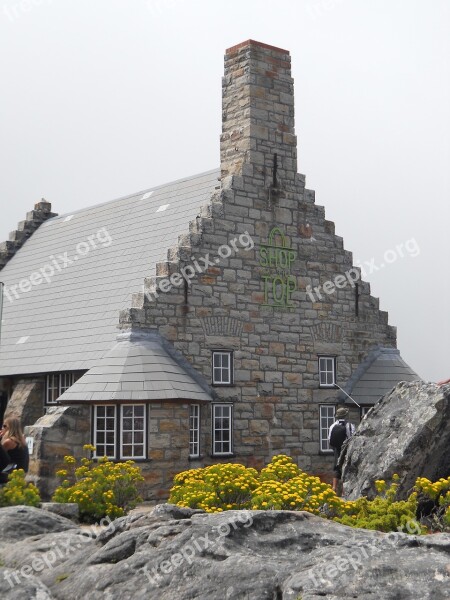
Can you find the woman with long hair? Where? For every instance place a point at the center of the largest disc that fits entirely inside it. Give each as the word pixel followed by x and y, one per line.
pixel 13 441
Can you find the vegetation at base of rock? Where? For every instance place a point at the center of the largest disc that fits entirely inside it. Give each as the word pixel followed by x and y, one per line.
pixel 100 488
pixel 17 491
pixel 384 512
pixel 282 485
pixel 439 494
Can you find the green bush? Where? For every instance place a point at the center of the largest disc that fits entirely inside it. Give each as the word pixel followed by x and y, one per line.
pixel 383 513
pixel 18 491
pixel 101 488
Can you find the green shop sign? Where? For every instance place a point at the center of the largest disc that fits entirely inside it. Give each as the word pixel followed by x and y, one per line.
pixel 278 257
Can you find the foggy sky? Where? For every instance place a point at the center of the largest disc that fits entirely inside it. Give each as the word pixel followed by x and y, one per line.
pixel 102 98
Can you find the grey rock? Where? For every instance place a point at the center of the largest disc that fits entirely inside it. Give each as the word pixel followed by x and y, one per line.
pixel 29 588
pixel 69 510
pixel 247 555
pixel 407 432
pixel 20 522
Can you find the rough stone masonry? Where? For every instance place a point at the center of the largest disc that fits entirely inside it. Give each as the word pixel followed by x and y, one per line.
pixel 260 293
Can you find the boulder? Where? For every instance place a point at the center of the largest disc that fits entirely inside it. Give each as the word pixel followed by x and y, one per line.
pixel 407 432
pixel 70 510
pixel 234 555
pixel 20 522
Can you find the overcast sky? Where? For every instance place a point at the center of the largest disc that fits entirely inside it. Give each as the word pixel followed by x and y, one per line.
pixel 102 98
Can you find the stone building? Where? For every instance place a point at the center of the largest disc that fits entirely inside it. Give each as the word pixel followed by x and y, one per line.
pixel 216 318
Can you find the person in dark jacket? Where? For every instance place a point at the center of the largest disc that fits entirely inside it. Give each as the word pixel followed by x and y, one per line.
pixel 14 443
pixel 347 429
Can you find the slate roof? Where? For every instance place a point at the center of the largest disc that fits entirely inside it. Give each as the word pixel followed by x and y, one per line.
pixel 70 322
pixel 382 369
pixel 139 367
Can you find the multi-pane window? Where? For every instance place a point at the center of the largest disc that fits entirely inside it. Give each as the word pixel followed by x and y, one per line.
pixel 105 427
pixel 65 381
pixel 132 431
pixel 222 429
pixel 124 437
pixel 327 371
pixel 57 384
pixel 365 410
pixel 326 421
pixel 222 368
pixel 52 388
pixel 194 430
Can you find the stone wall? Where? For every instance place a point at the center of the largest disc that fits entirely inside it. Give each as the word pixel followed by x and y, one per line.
pixel 27 400
pixel 276 394
pixel 63 430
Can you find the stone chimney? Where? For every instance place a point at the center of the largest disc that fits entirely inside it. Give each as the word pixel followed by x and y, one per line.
pixel 258 114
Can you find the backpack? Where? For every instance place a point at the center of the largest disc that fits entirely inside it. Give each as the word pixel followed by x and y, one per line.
pixel 338 435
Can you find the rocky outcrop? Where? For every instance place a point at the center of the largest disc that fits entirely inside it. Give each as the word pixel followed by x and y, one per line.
pixel 407 432
pixel 179 554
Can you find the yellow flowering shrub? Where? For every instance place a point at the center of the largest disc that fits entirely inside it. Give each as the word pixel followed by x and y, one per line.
pixel 100 488
pixel 384 512
pixel 224 486
pixel 281 485
pixel 439 493
pixel 18 491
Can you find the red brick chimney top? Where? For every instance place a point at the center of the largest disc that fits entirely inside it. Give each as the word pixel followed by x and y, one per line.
pixel 234 49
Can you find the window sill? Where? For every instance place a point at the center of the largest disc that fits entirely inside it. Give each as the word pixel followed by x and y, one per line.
pixel 199 457
pixel 223 384
pixel 227 455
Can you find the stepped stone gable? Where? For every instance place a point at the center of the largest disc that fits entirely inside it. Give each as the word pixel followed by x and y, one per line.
pixel 41 212
pixel 276 393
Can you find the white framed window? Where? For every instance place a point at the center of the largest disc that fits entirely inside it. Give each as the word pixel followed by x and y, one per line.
pixel 133 431
pixel 222 367
pixel 327 371
pixel 105 431
pixel 327 419
pixel 52 388
pixel 222 426
pixel 194 430
pixel 57 384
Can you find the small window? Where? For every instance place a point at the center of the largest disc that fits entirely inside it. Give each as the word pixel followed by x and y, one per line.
pixel 132 431
pixel 222 368
pixel 222 429
pixel 105 428
pixel 65 381
pixel 52 388
pixel 57 384
pixel 365 410
pixel 194 430
pixel 327 371
pixel 326 421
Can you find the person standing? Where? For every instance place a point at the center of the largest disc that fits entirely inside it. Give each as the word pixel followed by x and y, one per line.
pixel 340 431
pixel 13 441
